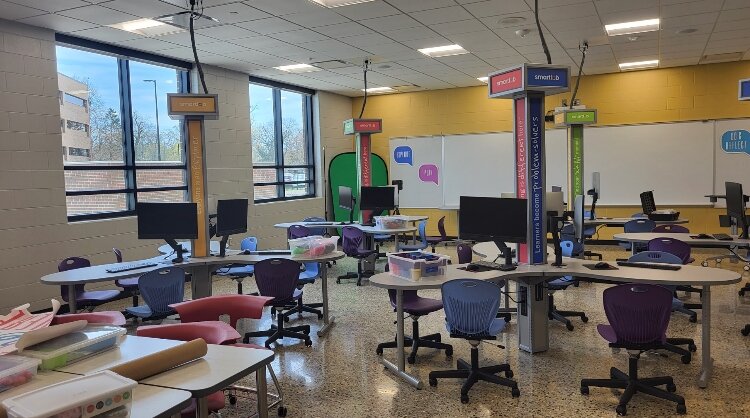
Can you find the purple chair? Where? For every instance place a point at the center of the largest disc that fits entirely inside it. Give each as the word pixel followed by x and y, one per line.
pixel 277 278
pixel 470 309
pixel 671 228
pixel 672 246
pixel 638 315
pixel 89 299
pixel 464 253
pixel 316 231
pixel 128 285
pixel 352 242
pixel 298 231
pixel 435 240
pixel 416 306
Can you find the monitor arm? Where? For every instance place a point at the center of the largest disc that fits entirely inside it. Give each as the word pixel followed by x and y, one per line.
pixel 177 249
pixel 223 246
pixel 507 252
pixel 554 223
pixel 594 197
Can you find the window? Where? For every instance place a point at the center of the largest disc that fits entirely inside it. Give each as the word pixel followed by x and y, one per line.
pixel 282 143
pixel 122 147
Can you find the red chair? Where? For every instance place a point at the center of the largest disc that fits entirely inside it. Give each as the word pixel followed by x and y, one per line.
pixel 209 309
pixel 103 317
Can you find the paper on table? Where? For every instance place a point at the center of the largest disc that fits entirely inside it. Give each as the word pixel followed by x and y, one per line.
pixel 20 321
pixel 47 333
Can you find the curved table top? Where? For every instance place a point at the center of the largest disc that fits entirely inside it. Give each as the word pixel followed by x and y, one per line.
pixel 622 221
pixel 366 229
pixel 187 245
pixel 685 237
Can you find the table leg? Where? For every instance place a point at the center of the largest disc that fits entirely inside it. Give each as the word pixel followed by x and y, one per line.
pixel 201 409
pixel 707 363
pixel 262 388
pixel 400 367
pixel 632 248
pixel 327 319
pixel 398 241
pixel 72 308
pixel 201 284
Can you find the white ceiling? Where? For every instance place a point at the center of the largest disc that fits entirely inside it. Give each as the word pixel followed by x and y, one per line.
pixel 256 35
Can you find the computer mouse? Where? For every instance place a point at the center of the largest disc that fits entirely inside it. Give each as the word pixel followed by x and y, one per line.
pixel 602 265
pixel 472 267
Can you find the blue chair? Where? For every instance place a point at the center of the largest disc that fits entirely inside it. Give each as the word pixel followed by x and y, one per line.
pixel 238 272
pixel 470 309
pixel 159 289
pixel 313 230
pixel 422 243
pixel 563 283
pixel 637 225
pixel 638 318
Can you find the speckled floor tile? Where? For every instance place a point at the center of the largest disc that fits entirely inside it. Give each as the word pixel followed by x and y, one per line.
pixel 340 376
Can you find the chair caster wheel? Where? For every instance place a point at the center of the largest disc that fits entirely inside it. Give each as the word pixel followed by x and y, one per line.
pixel 438 338
pixel 585 319
pixel 449 351
pixel 515 392
pixel 306 331
pixel 282 411
pixel 745 331
pixel 704 264
pixel 692 347
pixel 584 390
pixel 232 400
pixel 411 360
pixel 320 316
pixel 433 382
pixel 686 359
pixel 671 387
pixel 693 318
pixel 338 281
pixel 621 410
pixel 681 409
pixel 379 351
pixel 308 343
pixel 569 326
pixel 741 293
pixel 464 398
pixel 507 318
pixel 509 374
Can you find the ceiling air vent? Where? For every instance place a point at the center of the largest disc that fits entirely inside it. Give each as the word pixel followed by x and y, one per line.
pixel 713 58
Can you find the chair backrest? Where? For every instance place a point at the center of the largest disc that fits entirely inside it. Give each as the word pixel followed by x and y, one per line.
pixel 72 263
pixel 277 278
pixel 638 215
pixel 567 248
pixel 670 245
pixel 315 231
pixel 638 313
pixel 312 269
pixel 352 240
pixel 161 288
pixel 249 243
pixel 213 332
pixel 441 228
pixel 298 231
pixel 655 257
pixel 212 307
pixel 470 305
pixel 464 253
pixel 639 225
pixel 118 254
pixel 671 228
pixel 422 232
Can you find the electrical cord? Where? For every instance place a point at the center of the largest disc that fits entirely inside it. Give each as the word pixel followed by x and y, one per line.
pixel 492 344
pixel 582 47
pixel 541 35
pixel 193 16
pixel 365 67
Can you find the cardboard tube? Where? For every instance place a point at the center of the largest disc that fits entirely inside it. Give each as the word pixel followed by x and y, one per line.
pixel 162 361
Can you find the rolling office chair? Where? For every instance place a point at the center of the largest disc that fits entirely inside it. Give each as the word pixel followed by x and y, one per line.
pixel 352 243
pixel 677 305
pixel 671 228
pixel 464 253
pixel 416 306
pixel 637 225
pixel 563 283
pixel 682 251
pixel 159 289
pixel 128 285
pixel 239 272
pixel 442 238
pixel 638 317
pixel 567 233
pixel 307 276
pixel 422 243
pixel 89 299
pixel 470 308
pixel 277 278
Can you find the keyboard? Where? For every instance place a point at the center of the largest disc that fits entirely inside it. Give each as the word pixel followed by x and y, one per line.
pixel 655 266
pixel 723 237
pixel 130 266
pixel 318 223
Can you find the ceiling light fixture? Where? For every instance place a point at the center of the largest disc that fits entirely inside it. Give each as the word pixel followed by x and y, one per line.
pixel 511 20
pixel 639 65
pixel 298 68
pixel 443 51
pixel 483 79
pixel 638 26
pixel 338 3
pixel 379 90
pixel 686 31
pixel 146 27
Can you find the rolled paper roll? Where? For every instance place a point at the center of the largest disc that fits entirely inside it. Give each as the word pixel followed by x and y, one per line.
pixel 162 361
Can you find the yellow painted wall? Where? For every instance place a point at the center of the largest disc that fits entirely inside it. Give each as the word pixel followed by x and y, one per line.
pixel 662 95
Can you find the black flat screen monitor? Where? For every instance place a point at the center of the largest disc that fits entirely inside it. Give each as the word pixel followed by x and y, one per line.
pixel 377 198
pixel 231 217
pixel 345 197
pixel 736 206
pixel 492 219
pixel 167 221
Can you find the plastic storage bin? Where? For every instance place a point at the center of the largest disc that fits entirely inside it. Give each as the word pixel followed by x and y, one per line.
pixel 16 370
pixel 416 265
pixel 63 350
pixel 313 246
pixel 102 395
pixel 390 222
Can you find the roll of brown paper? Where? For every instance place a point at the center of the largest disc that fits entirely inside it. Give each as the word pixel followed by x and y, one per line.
pixel 162 361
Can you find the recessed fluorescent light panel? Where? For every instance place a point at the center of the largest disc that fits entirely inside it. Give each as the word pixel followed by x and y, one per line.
pixel 338 3
pixel 443 51
pixel 298 68
pixel 632 27
pixel 146 27
pixel 380 90
pixel 639 65
pixel 483 79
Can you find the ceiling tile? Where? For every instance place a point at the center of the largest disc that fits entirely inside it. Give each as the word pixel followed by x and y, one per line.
pixel 226 32
pixel 430 42
pixel 235 13
pixel 50 5
pixel 409 34
pixel 334 49
pixel 320 17
pixel 148 44
pixel 341 30
pixel 98 14
pixel 446 14
pixel 368 10
pixel 284 7
pixel 416 5
pixel 12 11
pixel 691 8
pixel 297 36
pixel 496 7
pixel 611 6
pixel 269 25
pixel 567 12
pixel 461 26
pixel 736 14
pixel 388 23
pixel 58 23
pixel 689 20
pixel 143 8
pixel 105 34
pixel 362 41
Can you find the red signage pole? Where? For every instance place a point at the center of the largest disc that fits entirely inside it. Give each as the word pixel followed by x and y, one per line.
pixel 362 129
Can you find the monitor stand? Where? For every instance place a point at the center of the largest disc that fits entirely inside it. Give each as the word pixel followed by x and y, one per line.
pixel 508 254
pixel 223 246
pixel 555 231
pixel 594 197
pixel 177 249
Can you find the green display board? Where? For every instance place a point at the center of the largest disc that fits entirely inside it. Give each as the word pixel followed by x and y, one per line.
pixel 343 172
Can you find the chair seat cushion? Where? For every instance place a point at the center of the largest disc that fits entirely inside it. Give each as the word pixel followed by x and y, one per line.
pixel 282 302
pixel 142 311
pixel 307 278
pixel 362 253
pixel 421 306
pixel 496 326
pixel 127 283
pixel 607 332
pixel 97 296
pixel 434 240
pixel 216 402
pixel 560 283
pixel 677 304
pixel 382 237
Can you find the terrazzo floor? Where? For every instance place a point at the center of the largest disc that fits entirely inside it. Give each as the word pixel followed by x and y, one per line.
pixel 340 376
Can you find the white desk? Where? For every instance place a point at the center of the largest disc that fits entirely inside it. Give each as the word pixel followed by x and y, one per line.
pixel 187 246
pixel 619 222
pixel 642 237
pixel 536 274
pixel 222 366
pixel 148 401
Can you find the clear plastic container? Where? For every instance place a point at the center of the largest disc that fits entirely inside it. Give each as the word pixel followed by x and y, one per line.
pixel 16 370
pixel 416 265
pixel 65 349
pixel 390 222
pixel 313 246
pixel 102 395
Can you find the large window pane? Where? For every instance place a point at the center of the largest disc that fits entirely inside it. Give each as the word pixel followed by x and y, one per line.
pixel 89 105
pixel 293 128
pixel 159 178
pixel 98 203
pixel 79 180
pixel 166 196
pixel 149 85
pixel 262 128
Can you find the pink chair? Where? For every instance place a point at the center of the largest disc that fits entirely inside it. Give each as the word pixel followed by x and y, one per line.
pixel 103 317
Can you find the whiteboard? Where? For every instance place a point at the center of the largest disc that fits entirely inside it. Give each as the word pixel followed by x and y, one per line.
pixel 418 193
pixel 730 166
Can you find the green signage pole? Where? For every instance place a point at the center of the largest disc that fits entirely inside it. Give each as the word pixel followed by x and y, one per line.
pixel 574 119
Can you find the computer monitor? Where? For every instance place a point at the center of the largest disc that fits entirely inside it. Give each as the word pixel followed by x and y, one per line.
pixel 231 218
pixel 493 219
pixel 346 201
pixel 648 204
pixel 736 206
pixel 377 198
pixel 168 221
pixel 555 203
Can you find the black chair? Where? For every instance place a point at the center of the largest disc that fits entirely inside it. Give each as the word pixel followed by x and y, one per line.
pixel 563 283
pixel 353 240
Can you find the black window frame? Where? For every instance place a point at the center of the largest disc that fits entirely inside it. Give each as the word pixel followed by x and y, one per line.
pixel 308 110
pixel 129 166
